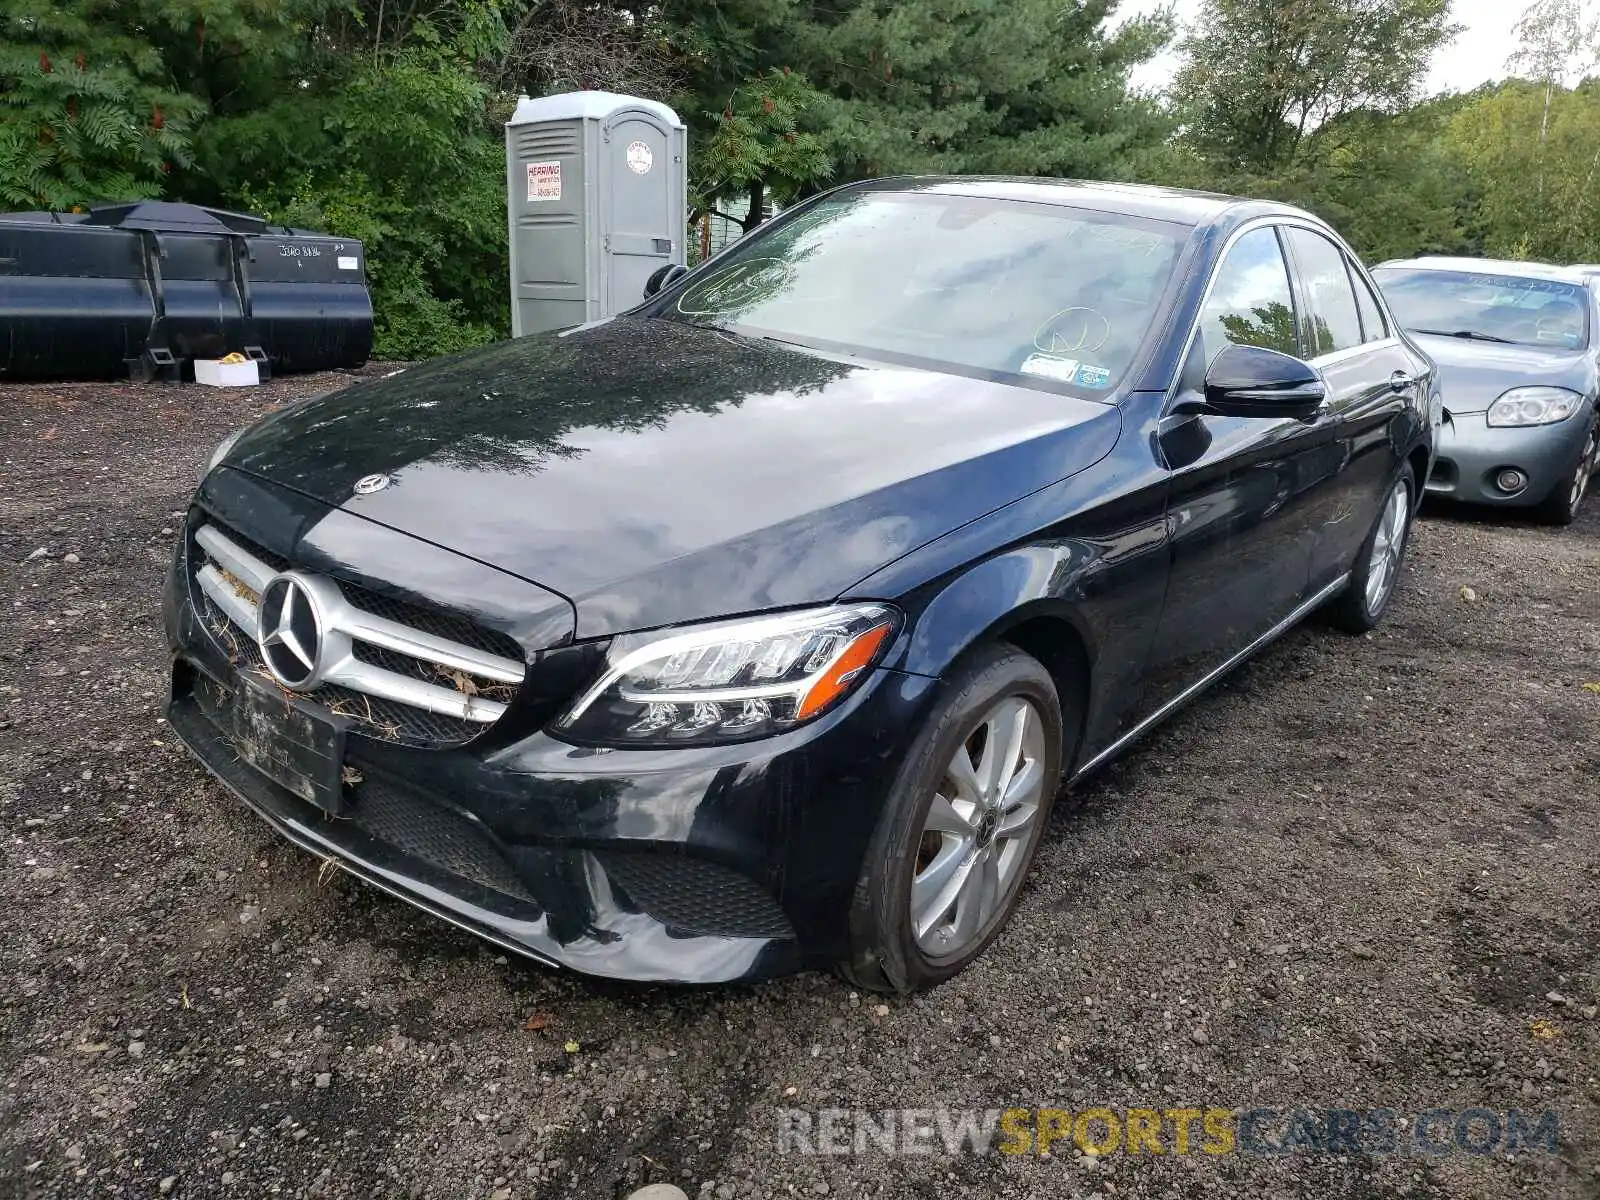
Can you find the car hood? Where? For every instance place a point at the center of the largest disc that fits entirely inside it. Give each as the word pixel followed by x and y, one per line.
pixel 1473 375
pixel 654 472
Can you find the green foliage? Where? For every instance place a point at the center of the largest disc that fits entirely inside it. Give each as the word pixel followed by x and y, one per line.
pixel 383 121
pixel 1031 87
pixel 87 112
pixel 404 154
pixel 1273 327
pixel 1262 76
pixel 1535 152
pixel 760 138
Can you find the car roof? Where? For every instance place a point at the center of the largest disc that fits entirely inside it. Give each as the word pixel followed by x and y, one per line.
pixel 1488 266
pixel 1177 205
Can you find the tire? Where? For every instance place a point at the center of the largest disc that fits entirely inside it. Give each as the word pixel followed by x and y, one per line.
pixel 906 860
pixel 1360 607
pixel 1561 506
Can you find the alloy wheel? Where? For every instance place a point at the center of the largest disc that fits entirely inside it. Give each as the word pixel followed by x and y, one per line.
pixel 1388 547
pixel 980 829
pixel 1586 467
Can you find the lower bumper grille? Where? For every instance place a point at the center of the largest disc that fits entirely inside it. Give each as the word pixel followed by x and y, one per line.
pixel 694 895
pixel 433 834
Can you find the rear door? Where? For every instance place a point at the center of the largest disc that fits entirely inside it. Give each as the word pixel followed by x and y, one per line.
pixel 1372 378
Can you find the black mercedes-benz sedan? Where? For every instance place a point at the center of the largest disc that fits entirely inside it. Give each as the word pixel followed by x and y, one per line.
pixel 759 627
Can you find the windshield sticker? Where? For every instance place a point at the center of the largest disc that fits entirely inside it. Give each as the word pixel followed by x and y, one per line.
pixel 1090 376
pixel 1050 367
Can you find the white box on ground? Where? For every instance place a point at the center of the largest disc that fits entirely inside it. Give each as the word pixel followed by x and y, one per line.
pixel 220 374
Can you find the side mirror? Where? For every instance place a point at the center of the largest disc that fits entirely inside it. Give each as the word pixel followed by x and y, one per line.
pixel 663 277
pixel 1252 381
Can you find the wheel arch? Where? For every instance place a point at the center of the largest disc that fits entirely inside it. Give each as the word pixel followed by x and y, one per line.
pixel 1419 460
pixel 1056 642
pixel 1023 598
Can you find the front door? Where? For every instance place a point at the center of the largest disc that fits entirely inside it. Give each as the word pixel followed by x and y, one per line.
pixel 1237 515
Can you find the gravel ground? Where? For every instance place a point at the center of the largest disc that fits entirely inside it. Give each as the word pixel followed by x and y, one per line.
pixel 1362 873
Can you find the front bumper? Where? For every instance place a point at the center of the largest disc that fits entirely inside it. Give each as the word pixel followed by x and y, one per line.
pixel 1471 454
pixel 692 866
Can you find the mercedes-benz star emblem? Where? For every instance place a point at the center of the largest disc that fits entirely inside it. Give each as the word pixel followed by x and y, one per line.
pixel 368 484
pixel 290 633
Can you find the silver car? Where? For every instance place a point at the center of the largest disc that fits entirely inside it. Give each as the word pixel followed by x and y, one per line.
pixel 1516 346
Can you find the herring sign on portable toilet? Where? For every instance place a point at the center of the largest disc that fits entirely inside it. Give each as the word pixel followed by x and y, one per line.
pixel 597 198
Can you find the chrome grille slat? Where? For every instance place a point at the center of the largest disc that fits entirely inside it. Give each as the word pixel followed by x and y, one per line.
pixel 237 609
pixel 392 635
pixel 233 558
pixel 352 673
pixel 346 624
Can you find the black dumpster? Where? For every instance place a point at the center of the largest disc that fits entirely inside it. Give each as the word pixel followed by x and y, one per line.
pixel 143 288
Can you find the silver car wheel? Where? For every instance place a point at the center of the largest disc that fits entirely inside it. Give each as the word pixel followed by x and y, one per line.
pixel 980 829
pixel 1388 545
pixel 1586 466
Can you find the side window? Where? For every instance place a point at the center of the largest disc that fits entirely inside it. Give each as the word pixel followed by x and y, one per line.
pixel 1333 322
pixel 1250 302
pixel 1372 322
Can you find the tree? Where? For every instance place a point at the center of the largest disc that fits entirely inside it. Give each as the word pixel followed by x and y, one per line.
pixel 1262 77
pixel 1029 87
pixel 392 137
pixel 759 148
pixel 1555 39
pixel 1493 138
pixel 91 112
pixel 383 119
pixel 877 87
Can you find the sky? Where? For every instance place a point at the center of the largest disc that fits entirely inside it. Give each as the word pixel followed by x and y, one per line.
pixel 1476 56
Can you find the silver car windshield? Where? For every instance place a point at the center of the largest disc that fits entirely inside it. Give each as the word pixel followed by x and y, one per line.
pixel 1488 307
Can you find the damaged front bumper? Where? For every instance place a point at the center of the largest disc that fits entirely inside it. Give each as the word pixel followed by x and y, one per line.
pixel 689 866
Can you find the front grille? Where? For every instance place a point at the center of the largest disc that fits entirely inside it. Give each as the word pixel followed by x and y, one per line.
pixel 438 836
pixel 400 672
pixel 692 895
pixel 445 625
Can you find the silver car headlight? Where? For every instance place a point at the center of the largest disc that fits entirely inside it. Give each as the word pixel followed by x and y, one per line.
pixel 730 681
pixel 221 452
pixel 1534 406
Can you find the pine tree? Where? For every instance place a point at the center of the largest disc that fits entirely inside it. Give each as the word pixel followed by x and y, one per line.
pixel 786 95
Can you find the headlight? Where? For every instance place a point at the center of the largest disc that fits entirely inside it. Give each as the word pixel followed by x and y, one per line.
pixel 1534 406
pixel 732 680
pixel 221 452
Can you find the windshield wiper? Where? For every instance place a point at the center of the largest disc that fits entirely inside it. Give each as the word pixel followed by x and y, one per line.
pixel 1471 335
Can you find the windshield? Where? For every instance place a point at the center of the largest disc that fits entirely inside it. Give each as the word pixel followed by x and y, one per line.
pixel 1037 292
pixel 1494 308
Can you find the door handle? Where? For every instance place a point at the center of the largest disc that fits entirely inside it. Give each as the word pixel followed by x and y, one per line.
pixel 1401 380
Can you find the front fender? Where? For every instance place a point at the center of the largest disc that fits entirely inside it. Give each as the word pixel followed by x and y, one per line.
pixel 1046 580
pixel 1089 553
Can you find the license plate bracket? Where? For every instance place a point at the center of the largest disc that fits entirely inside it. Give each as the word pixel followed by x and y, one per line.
pixel 297 745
